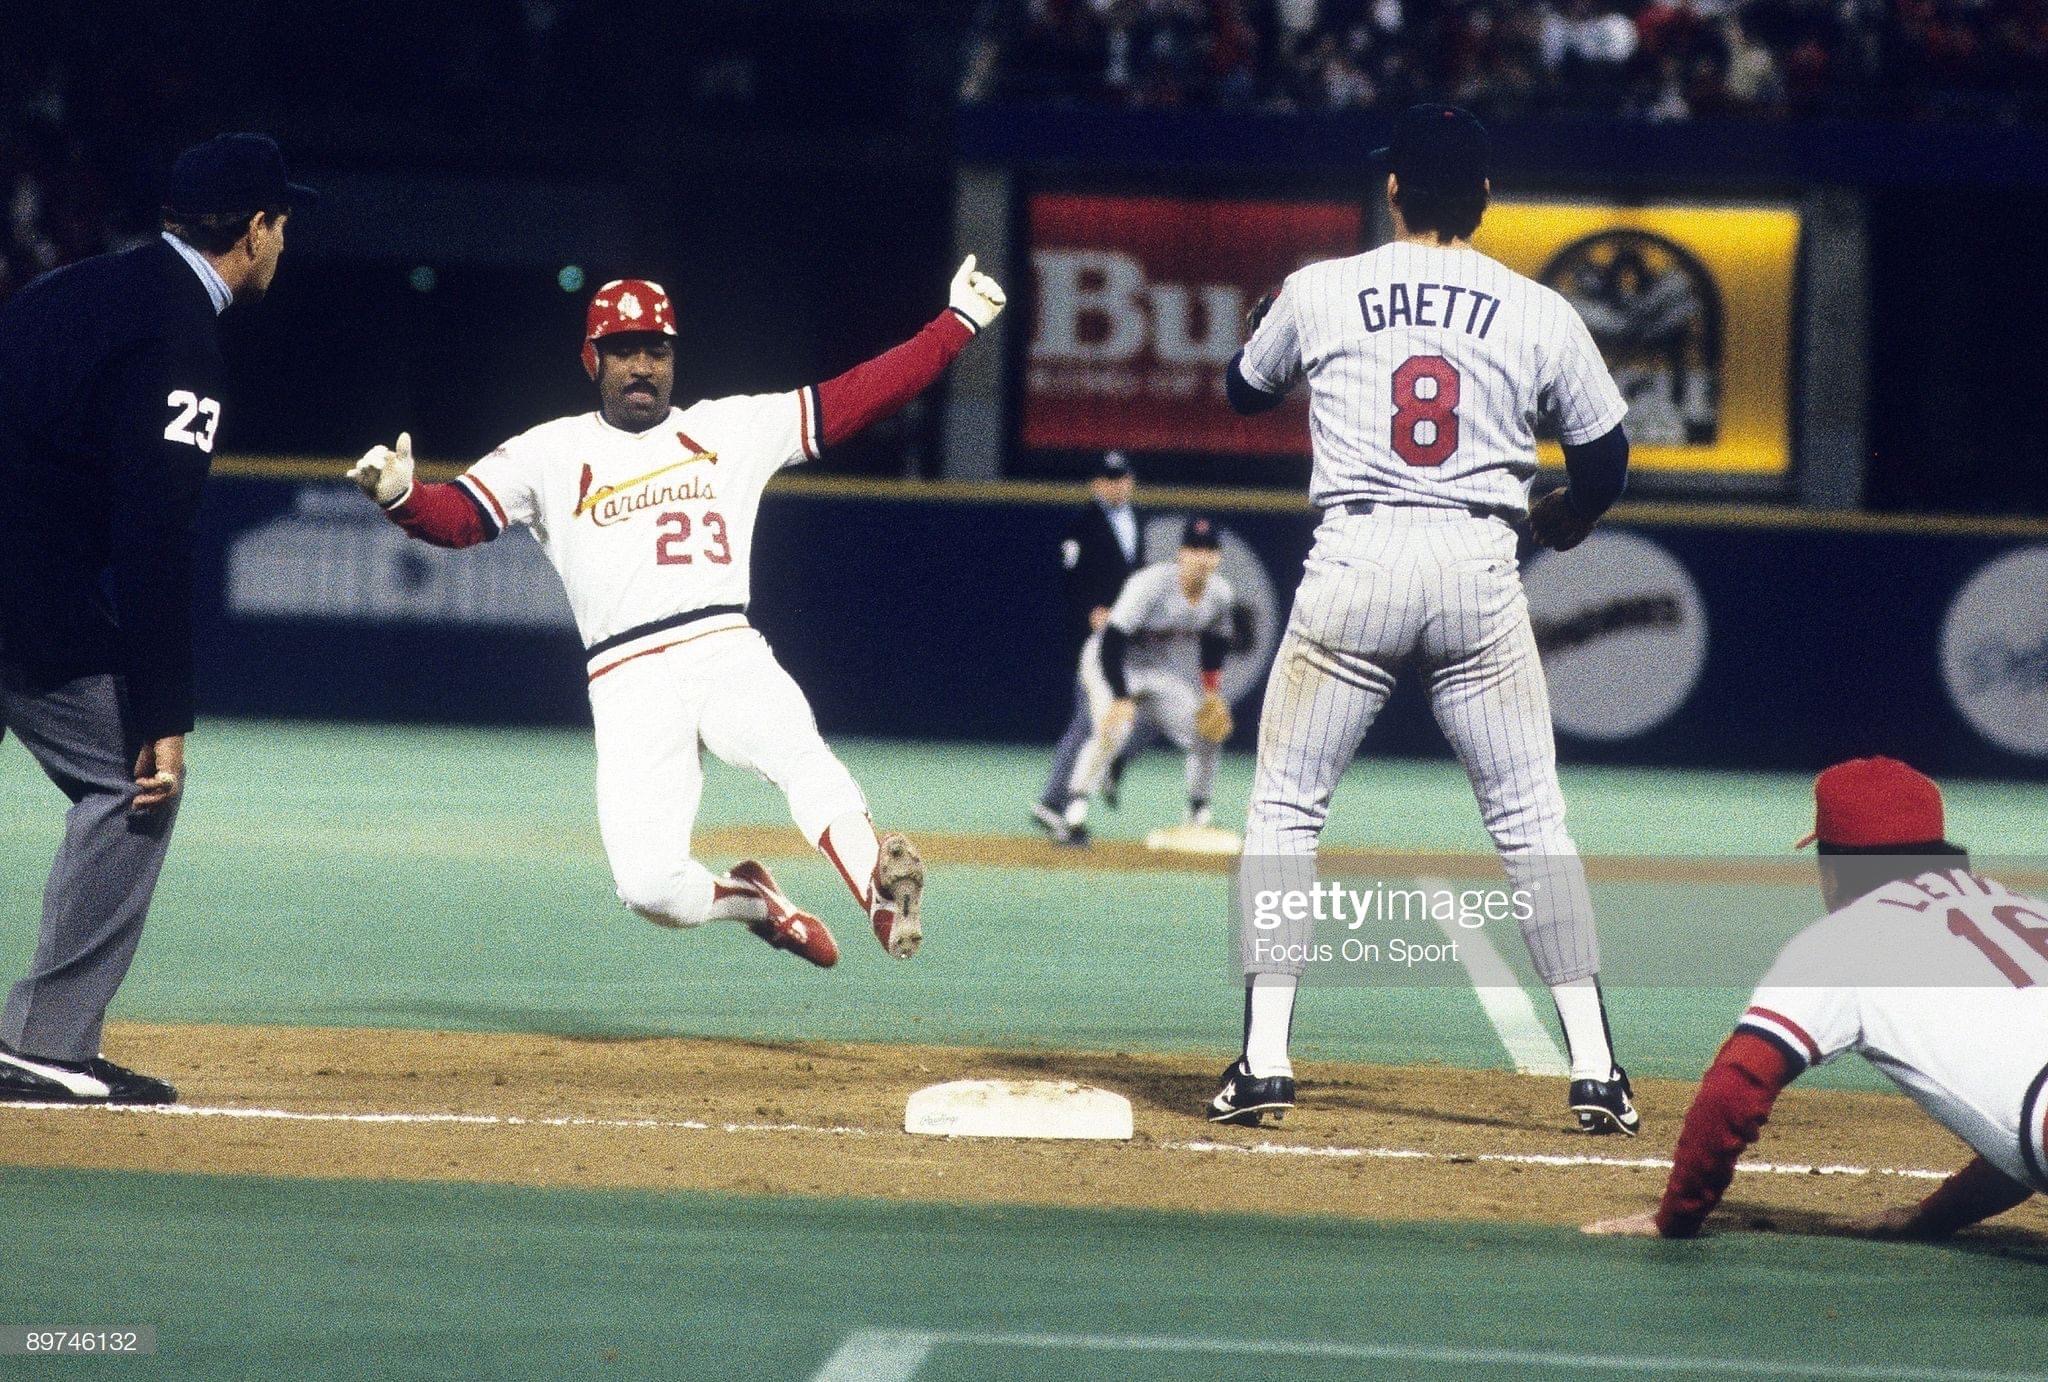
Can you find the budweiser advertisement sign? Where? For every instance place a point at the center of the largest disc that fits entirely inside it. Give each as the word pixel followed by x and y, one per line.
pixel 1141 303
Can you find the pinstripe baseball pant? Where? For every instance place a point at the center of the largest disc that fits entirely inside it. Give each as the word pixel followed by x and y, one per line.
pixel 1437 589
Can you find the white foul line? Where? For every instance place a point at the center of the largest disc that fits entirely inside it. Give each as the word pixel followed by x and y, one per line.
pixel 896 1354
pixel 876 1355
pixel 1200 1147
pixel 1501 996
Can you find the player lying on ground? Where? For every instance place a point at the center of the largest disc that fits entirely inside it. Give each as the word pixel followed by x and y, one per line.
pixel 1157 665
pixel 647 511
pixel 1931 972
pixel 1429 367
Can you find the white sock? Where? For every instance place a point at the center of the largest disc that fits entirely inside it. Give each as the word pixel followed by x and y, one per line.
pixel 850 843
pixel 1585 1028
pixel 1077 811
pixel 1270 1021
pixel 735 902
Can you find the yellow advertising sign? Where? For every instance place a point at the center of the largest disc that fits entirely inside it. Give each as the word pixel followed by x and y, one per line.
pixel 1692 308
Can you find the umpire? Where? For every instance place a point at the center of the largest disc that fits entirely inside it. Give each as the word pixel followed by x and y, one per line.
pixel 110 400
pixel 1102 547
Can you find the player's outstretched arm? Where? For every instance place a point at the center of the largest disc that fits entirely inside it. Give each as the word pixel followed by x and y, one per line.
pixel 879 388
pixel 444 515
pixel 1970 1196
pixel 1728 1113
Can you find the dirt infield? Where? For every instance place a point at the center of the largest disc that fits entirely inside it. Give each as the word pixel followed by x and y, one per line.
pixel 1130 856
pixel 825 1119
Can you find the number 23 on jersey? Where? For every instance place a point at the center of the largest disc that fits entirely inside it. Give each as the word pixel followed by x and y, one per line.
pixel 672 546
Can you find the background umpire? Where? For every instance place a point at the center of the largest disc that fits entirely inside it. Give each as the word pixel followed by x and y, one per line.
pixel 110 400
pixel 1101 548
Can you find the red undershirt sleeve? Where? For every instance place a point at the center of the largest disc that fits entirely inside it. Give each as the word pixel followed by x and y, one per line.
pixel 444 515
pixel 1727 1114
pixel 878 388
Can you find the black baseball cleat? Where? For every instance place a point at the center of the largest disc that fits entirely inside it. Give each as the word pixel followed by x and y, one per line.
pixel 1246 1101
pixel 1606 1106
pixel 33 1080
pixel 1052 823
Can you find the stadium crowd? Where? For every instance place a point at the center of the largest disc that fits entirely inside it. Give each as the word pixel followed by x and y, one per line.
pixel 1646 59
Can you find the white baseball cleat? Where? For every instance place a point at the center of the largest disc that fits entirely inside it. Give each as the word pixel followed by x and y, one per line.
pixel 899 888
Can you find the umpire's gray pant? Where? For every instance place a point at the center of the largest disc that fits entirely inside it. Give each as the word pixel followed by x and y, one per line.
pixel 99 889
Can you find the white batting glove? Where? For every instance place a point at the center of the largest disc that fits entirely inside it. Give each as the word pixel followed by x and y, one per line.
pixel 975 295
pixel 385 474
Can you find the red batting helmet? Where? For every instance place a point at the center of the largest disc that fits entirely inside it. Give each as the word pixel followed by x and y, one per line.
pixel 623 305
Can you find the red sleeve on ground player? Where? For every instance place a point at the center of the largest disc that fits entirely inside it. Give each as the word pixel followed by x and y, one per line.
pixel 879 388
pixel 441 514
pixel 1726 1115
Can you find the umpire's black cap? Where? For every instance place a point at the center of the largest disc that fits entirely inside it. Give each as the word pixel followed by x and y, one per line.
pixel 1112 466
pixel 1440 147
pixel 1201 533
pixel 234 172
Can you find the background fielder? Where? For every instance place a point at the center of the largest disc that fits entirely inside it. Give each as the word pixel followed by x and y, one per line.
pixel 1429 368
pixel 648 511
pixel 1156 665
pixel 1931 972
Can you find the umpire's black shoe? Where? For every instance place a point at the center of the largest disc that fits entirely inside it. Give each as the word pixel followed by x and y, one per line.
pixel 1246 1101
pixel 34 1080
pixel 1606 1106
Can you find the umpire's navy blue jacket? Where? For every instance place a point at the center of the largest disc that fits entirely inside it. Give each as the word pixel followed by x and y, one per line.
pixel 1094 566
pixel 110 398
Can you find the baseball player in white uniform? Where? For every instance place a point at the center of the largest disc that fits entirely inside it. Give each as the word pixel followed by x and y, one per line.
pixel 1430 368
pixel 647 511
pixel 1157 664
pixel 1935 974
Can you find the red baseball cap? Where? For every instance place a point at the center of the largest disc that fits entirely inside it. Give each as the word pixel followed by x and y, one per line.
pixel 1869 803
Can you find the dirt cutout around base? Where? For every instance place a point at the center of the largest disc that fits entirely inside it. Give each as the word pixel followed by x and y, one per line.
pixel 819 1118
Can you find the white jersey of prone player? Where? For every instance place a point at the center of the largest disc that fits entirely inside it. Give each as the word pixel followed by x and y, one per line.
pixel 1429 372
pixel 644 526
pixel 1941 982
pixel 1163 629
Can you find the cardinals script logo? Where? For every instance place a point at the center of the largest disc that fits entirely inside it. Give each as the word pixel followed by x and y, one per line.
pixel 609 504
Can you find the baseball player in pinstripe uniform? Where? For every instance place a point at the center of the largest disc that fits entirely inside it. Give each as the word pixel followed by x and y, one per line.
pixel 1156 664
pixel 1430 368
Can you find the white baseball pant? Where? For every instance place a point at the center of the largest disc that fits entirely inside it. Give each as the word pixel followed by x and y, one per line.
pixel 723 691
pixel 1437 589
pixel 1165 704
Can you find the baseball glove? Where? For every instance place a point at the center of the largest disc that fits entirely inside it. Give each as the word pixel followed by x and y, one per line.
pixel 1213 720
pixel 1257 314
pixel 1555 524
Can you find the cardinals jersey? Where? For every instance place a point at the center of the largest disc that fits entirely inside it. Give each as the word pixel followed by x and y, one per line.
pixel 1941 982
pixel 1429 372
pixel 651 531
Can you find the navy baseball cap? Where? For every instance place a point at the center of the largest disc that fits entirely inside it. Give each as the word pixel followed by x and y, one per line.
pixel 1437 146
pixel 1201 533
pixel 234 172
pixel 1112 466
